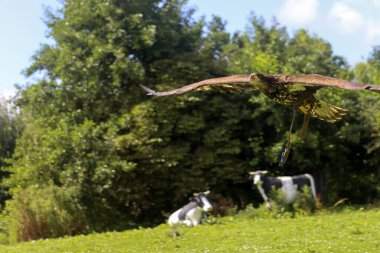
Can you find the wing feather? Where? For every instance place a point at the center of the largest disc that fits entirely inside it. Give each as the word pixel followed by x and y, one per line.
pixel 325 81
pixel 232 83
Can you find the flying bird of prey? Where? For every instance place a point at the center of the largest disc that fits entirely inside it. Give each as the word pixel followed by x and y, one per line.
pixel 296 91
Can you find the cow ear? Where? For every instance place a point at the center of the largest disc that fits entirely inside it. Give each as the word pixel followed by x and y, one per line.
pixel 264 172
pixel 252 173
pixel 195 194
pixel 206 193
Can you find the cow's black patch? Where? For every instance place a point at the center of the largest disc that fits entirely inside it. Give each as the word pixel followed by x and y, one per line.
pixel 301 181
pixel 186 209
pixel 269 182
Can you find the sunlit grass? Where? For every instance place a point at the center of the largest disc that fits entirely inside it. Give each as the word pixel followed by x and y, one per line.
pixel 345 231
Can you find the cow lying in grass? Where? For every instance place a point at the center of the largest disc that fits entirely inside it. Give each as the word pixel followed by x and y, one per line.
pixel 289 185
pixel 193 213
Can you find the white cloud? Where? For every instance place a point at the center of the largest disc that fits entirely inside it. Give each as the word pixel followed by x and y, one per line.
pixel 373 33
pixel 376 3
pixel 298 12
pixel 345 18
pixel 354 19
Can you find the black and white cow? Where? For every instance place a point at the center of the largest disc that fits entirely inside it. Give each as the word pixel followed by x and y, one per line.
pixel 192 213
pixel 290 185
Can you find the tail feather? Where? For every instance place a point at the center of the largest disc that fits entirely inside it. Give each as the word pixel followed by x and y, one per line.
pixel 327 114
pixel 305 126
pixel 324 111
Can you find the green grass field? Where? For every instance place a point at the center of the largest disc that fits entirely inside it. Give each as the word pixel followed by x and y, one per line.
pixel 345 231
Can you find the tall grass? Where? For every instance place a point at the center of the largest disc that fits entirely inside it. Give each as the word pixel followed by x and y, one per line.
pixel 36 213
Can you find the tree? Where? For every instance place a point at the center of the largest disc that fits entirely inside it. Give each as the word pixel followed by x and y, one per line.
pixel 329 149
pixel 91 126
pixel 10 128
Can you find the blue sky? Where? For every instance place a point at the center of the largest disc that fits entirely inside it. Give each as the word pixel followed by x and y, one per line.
pixel 351 26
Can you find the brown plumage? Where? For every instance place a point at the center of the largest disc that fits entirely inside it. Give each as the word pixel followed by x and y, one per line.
pixel 296 91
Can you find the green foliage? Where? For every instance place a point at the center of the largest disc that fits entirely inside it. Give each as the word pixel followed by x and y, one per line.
pixel 69 155
pixel 310 54
pixel 304 204
pixel 260 49
pixel 270 50
pixel 369 71
pixel 329 149
pixel 11 127
pixel 88 125
pixel 36 213
pixel 346 231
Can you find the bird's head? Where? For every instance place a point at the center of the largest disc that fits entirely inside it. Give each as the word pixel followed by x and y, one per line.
pixel 257 80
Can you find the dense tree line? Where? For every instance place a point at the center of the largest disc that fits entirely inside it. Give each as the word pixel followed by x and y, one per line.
pixel 124 159
pixel 10 129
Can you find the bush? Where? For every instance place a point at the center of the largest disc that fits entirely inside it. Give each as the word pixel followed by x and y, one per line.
pixel 48 212
pixel 304 205
pixel 223 206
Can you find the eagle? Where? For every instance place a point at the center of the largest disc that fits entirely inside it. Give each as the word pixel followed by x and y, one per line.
pixel 296 91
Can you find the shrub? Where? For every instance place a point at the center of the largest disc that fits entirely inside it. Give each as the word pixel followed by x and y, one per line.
pixel 48 212
pixel 304 205
pixel 223 206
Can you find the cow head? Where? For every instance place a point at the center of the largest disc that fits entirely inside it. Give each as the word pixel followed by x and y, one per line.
pixel 202 201
pixel 256 176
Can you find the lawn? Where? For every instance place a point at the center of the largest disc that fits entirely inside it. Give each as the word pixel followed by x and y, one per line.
pixel 344 231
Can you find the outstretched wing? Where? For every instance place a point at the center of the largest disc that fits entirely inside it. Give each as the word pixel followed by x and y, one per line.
pixel 229 83
pixel 325 81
